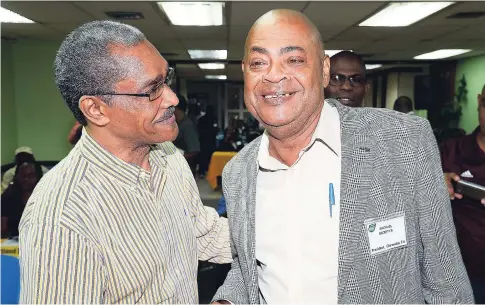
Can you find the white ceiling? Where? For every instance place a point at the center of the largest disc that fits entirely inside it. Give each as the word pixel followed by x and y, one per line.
pixel 337 22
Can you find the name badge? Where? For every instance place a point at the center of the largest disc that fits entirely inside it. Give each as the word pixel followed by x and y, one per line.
pixel 386 234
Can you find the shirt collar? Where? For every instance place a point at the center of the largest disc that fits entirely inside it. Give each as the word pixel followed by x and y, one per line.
pixel 327 133
pixel 123 171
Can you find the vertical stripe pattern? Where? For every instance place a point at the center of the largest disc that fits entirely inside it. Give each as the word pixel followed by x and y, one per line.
pixel 99 230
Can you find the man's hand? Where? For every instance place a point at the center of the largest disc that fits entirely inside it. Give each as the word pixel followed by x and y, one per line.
pixel 451 191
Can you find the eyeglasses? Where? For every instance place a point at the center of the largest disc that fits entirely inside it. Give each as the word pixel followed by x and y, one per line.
pixel 155 93
pixel 340 80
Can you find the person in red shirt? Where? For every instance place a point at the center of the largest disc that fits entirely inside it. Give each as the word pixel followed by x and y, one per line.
pixel 464 158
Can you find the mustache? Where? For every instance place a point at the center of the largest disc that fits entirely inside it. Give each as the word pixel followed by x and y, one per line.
pixel 170 111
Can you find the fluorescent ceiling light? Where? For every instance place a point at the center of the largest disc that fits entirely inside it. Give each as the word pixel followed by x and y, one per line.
pixel 216 76
pixel 208 54
pixel 212 66
pixel 7 16
pixel 333 52
pixel 404 13
pixel 443 53
pixel 370 67
pixel 194 13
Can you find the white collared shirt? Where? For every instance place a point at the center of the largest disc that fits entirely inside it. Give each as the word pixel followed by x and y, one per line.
pixel 296 239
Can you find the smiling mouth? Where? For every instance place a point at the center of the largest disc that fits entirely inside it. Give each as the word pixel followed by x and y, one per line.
pixel 343 99
pixel 278 95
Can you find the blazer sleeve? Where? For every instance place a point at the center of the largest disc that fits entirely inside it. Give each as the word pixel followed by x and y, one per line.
pixel 233 290
pixel 444 277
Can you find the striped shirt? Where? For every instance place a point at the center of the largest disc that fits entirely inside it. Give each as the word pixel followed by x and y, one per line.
pixel 100 230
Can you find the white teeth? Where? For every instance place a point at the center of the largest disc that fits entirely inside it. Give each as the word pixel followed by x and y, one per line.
pixel 277 95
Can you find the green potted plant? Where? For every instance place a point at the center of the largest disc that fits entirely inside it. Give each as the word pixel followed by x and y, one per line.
pixel 452 111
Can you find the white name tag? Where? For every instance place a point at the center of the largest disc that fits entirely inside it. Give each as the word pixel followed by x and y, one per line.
pixel 386 234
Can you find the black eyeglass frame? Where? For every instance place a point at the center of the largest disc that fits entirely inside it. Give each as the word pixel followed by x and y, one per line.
pixel 154 94
pixel 354 80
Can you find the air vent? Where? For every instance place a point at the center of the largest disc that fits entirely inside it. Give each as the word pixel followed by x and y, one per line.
pixel 125 15
pixel 466 15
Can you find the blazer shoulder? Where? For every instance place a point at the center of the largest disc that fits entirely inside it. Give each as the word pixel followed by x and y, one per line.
pixel 380 120
pixel 237 165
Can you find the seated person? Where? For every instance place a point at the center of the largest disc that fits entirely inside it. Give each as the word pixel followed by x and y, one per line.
pixel 188 137
pixel 464 158
pixel 22 154
pixel 231 142
pixel 26 177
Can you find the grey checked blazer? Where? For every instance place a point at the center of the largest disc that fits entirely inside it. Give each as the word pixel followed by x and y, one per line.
pixel 390 164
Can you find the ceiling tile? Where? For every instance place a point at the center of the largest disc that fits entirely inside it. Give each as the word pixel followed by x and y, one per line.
pixel 341 13
pixel 48 11
pixel 205 44
pixel 201 32
pixel 470 6
pixel 150 11
pixel 246 13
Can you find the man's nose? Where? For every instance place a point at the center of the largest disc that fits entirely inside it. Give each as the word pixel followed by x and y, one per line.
pixel 346 85
pixel 169 98
pixel 275 74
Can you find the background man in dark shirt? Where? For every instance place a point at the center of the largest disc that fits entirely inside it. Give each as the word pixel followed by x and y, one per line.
pixel 347 79
pixel 464 158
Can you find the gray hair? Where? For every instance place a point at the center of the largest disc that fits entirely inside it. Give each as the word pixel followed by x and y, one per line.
pixel 84 64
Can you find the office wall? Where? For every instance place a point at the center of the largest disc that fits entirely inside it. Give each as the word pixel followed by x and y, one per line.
pixel 8 115
pixel 474 71
pixel 38 116
pixel 392 90
pixel 399 84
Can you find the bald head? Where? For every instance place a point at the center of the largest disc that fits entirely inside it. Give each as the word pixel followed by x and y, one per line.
pixel 286 17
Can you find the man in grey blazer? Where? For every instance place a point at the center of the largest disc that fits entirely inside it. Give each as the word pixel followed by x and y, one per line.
pixel 332 204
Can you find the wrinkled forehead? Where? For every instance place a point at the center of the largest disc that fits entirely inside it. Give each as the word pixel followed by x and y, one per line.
pixel 280 34
pixel 141 62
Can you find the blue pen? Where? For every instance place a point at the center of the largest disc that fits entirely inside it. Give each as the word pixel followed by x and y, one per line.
pixel 331 197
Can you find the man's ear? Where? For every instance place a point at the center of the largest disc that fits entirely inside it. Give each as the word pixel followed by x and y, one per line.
pixel 326 70
pixel 94 109
pixel 242 66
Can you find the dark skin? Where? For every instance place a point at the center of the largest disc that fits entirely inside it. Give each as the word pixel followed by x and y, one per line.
pixel 285 72
pixel 346 94
pixel 129 126
pixel 481 143
pixel 25 180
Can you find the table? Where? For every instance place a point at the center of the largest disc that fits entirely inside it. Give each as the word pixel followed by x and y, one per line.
pixel 10 247
pixel 219 159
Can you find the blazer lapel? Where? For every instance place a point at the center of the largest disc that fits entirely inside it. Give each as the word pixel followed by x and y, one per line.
pixel 354 190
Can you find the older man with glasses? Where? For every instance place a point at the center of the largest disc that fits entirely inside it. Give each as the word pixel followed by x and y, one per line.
pixel 347 79
pixel 119 220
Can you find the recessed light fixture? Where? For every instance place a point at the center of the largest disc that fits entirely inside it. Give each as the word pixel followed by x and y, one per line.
pixel 370 67
pixel 208 54
pixel 212 66
pixel 216 76
pixel 404 13
pixel 7 16
pixel 194 13
pixel 443 53
pixel 333 52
